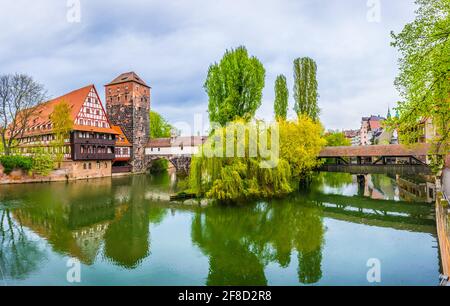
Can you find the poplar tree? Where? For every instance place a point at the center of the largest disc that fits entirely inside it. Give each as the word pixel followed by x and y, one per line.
pixel 234 86
pixel 281 97
pixel 305 88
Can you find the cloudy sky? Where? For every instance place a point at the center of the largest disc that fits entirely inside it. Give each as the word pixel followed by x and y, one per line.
pixel 170 44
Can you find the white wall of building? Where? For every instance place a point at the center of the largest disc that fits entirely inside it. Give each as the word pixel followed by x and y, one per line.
pixel 187 150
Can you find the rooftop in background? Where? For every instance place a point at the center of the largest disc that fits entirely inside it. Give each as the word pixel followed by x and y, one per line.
pixel 122 140
pixel 128 77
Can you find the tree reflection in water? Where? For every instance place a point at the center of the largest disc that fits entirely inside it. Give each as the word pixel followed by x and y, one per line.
pixel 19 256
pixel 242 241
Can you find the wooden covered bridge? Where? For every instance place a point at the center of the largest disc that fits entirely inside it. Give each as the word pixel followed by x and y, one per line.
pixel 377 159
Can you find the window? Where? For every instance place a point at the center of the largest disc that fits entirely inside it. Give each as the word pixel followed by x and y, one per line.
pixel 84 166
pixel 90 166
pixel 98 165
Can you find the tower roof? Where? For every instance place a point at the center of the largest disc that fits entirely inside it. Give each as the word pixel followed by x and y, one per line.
pixel 128 77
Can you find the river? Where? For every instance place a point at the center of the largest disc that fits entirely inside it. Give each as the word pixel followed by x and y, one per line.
pixel 121 234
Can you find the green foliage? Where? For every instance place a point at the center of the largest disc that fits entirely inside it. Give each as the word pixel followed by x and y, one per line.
pixel 300 143
pixel 43 162
pixel 236 179
pixel 159 127
pixel 62 126
pixel 281 97
pixel 11 162
pixel 337 139
pixel 159 166
pixel 234 86
pixel 305 88
pixel 423 83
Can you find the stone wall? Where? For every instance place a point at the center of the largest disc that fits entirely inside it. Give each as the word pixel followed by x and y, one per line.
pixel 87 169
pixel 446 181
pixel 69 171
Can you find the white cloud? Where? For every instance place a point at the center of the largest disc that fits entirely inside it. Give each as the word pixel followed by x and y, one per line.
pixel 171 44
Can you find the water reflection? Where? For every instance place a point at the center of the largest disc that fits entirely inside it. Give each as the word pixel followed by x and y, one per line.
pixel 240 242
pixel 417 188
pixel 19 255
pixel 111 221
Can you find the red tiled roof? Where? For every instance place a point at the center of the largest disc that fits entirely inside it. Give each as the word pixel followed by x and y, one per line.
pixel 38 124
pixel 128 77
pixel 374 151
pixel 122 140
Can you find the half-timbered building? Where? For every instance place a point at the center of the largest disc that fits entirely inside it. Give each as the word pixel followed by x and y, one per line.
pixel 89 150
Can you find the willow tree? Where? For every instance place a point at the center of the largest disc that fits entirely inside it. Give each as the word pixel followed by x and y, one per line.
pixel 305 88
pixel 281 97
pixel 234 86
pixel 424 80
pixel 62 125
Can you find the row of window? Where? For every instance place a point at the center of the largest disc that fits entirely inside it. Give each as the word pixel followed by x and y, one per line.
pixel 122 151
pixel 50 150
pixel 95 150
pixel 40 138
pixel 87 135
pixel 87 166
pixel 95 123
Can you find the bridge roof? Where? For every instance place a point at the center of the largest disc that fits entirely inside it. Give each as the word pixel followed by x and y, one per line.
pixel 374 151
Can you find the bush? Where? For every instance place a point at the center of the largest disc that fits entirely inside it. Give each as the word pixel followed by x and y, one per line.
pixel 11 162
pixel 159 166
pixel 43 163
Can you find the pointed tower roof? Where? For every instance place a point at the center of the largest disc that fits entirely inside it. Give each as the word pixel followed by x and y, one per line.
pixel 389 116
pixel 128 77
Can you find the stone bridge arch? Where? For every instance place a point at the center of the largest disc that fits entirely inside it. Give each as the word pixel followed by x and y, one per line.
pixel 182 164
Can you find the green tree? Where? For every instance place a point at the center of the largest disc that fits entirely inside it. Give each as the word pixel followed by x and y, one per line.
pixel 62 126
pixel 306 88
pixel 234 86
pixel 20 98
pixel 159 127
pixel 337 139
pixel 281 97
pixel 423 83
pixel 300 143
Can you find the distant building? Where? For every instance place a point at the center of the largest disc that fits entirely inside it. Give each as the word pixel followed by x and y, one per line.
pixel 371 129
pixel 175 146
pixel 353 136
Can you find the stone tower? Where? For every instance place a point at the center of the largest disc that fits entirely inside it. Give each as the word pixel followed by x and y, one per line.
pixel 128 106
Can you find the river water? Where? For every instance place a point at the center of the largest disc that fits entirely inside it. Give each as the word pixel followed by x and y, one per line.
pixel 123 232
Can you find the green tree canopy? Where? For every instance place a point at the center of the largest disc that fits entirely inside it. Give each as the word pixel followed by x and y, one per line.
pixel 281 97
pixel 159 127
pixel 62 125
pixel 305 88
pixel 234 86
pixel 424 80
pixel 337 139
